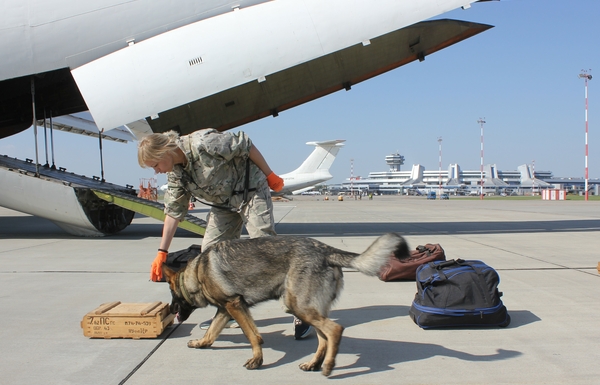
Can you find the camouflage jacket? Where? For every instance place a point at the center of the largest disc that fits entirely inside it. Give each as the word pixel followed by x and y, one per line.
pixel 215 170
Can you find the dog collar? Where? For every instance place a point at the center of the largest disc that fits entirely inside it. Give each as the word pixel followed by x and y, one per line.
pixel 185 293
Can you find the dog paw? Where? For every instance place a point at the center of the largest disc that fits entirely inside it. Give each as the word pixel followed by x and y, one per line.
pixel 198 344
pixel 253 363
pixel 310 367
pixel 327 370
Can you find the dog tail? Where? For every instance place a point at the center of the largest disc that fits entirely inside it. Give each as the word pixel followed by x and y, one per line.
pixel 372 260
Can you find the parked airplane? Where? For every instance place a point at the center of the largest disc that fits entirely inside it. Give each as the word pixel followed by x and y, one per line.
pixel 314 170
pixel 215 63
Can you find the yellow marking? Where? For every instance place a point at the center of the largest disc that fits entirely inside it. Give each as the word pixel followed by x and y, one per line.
pixel 147 210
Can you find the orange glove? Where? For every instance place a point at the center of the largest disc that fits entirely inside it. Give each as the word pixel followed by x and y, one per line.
pixel 156 268
pixel 275 182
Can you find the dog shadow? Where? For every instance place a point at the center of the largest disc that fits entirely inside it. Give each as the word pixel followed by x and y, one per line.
pixel 346 317
pixel 381 355
pixel 373 355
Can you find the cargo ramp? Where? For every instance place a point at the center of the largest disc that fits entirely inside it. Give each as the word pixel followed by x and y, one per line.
pixel 79 205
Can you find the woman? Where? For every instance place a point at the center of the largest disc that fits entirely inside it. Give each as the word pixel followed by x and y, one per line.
pixel 222 168
pixel 211 166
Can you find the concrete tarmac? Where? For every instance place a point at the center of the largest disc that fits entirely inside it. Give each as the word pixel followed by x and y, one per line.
pixel 546 253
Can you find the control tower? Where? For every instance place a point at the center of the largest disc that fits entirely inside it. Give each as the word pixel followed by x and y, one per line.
pixel 394 161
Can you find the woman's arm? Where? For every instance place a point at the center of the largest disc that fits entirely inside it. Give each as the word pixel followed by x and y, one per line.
pixel 169 229
pixel 168 232
pixel 256 157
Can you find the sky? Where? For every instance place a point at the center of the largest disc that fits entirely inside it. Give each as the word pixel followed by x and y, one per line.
pixel 521 77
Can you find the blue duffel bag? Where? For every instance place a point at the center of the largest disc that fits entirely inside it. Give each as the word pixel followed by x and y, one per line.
pixel 458 293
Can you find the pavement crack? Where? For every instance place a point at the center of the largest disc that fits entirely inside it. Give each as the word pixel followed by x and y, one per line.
pixel 138 366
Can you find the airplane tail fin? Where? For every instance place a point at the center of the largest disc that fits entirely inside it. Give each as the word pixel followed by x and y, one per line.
pixel 321 158
pixel 314 170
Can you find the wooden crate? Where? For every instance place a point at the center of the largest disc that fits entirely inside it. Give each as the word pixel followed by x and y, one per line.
pixel 127 320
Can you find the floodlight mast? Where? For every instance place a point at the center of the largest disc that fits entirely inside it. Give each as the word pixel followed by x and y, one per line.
pixel 481 123
pixel 533 177
pixel 440 168
pixel 352 177
pixel 586 77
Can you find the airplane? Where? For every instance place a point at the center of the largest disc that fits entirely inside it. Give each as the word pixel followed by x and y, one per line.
pixel 314 170
pixel 149 66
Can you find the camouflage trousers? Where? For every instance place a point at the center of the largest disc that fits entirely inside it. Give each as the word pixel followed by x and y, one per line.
pixel 256 215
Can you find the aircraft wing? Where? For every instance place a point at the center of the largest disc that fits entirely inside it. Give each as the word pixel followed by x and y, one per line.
pixel 187 99
pixel 319 77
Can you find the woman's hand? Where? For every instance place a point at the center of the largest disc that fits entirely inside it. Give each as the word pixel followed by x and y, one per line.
pixel 156 268
pixel 275 182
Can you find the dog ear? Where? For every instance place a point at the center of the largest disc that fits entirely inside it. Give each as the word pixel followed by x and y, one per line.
pixel 168 273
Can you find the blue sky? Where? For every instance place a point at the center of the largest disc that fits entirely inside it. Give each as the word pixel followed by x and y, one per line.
pixel 521 76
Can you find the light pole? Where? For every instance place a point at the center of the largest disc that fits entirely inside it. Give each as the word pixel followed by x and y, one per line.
pixel 352 177
pixel 533 177
pixel 586 77
pixel 440 169
pixel 481 122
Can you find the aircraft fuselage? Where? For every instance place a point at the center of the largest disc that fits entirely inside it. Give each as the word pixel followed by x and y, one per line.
pixel 257 58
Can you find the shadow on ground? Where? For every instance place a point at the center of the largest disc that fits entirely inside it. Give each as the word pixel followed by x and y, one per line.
pixel 14 228
pixel 373 355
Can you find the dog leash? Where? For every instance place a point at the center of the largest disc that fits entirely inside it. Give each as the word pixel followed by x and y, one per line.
pixel 246 187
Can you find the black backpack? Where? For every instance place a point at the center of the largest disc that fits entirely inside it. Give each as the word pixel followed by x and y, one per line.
pixel 458 293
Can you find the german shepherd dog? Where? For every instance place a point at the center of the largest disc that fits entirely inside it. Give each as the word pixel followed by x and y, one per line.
pixel 235 275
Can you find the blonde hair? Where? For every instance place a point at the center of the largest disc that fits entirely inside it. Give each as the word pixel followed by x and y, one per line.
pixel 154 147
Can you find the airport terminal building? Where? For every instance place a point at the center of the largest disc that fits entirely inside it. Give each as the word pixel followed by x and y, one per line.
pixel 454 180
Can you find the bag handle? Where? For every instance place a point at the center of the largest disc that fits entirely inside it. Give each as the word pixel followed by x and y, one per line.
pixel 422 248
pixel 448 263
pixel 439 267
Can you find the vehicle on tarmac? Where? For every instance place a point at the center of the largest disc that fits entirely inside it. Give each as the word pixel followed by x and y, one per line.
pixel 413 191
